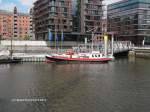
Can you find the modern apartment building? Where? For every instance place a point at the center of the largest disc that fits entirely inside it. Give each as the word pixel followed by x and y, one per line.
pixel 130 20
pixel 14 24
pixel 55 15
pixel 91 14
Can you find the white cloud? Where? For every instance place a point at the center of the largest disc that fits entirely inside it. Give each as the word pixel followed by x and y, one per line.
pixel 110 1
pixel 27 2
pixel 6 6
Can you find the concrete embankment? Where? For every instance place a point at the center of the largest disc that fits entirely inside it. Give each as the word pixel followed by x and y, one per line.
pixel 26 57
pixel 32 51
pixel 140 52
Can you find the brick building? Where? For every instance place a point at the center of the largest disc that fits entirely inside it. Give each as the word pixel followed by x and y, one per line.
pixel 6 23
pixel 14 24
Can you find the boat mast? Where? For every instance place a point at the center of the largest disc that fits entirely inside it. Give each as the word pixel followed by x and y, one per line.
pixel 61 39
pixel 11 39
pixel 93 31
pixel 11 52
pixel 55 39
pixel 112 44
pixel 92 40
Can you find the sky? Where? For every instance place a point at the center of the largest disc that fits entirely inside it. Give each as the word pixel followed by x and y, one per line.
pixel 110 1
pixel 22 5
pixel 25 5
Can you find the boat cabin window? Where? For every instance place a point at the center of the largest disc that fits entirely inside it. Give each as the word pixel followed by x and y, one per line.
pixel 96 55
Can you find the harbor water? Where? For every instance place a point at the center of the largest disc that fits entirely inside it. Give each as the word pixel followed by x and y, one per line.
pixel 119 86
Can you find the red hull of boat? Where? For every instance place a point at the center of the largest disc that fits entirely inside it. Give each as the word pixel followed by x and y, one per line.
pixel 62 59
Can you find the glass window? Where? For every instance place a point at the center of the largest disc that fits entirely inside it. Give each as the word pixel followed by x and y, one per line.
pixel 62 3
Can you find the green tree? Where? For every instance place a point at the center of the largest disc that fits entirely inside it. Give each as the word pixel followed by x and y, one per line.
pixel 27 37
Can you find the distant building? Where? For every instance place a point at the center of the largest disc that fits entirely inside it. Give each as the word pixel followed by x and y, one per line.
pixel 130 19
pixel 14 24
pixel 55 15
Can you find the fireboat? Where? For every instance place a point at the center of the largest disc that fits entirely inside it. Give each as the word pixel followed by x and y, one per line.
pixel 92 56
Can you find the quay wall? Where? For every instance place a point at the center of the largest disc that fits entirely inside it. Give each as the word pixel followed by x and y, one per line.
pixel 34 51
pixel 27 57
pixel 140 52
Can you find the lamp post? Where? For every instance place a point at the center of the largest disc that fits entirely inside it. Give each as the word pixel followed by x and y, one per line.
pixel 112 44
pixel 55 39
pixel 85 42
pixel 112 41
pixel 105 45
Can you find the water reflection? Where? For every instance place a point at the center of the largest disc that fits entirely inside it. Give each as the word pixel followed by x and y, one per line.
pixel 4 66
pixel 119 86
